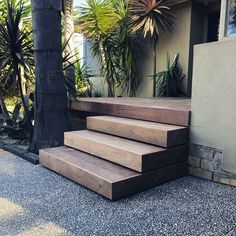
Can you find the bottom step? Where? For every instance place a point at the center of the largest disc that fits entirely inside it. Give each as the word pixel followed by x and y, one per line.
pixel 106 178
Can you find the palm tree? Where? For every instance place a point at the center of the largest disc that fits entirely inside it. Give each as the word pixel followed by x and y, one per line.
pixel 98 21
pixel 68 39
pixel 151 16
pixel 126 50
pixel 51 110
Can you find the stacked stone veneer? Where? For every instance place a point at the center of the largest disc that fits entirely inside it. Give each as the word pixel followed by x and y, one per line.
pixel 207 163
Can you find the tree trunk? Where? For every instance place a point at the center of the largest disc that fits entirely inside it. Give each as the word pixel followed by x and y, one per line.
pixel 110 85
pixel 70 47
pixel 154 67
pixel 51 105
pixel 4 108
pixel 28 123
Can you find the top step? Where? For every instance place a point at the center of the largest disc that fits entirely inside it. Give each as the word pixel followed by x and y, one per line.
pixel 163 110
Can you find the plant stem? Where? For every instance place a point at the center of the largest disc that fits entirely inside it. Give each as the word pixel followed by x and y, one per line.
pixel 154 66
pixel 4 108
pixel 26 110
pixel 110 85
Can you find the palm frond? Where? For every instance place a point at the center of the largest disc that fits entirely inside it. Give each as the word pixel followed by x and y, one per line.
pixel 151 16
pixel 170 81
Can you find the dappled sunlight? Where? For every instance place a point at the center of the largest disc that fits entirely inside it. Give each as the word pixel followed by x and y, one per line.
pixel 6 154
pixel 9 209
pixel 45 229
pixel 6 166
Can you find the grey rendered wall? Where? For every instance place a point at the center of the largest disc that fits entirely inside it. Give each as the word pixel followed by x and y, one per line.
pixel 213 122
pixel 177 41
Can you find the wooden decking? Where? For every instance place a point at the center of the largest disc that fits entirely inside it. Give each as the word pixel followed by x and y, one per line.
pixel 164 110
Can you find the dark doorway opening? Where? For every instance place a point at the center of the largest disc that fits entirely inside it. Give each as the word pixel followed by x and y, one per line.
pixel 213 26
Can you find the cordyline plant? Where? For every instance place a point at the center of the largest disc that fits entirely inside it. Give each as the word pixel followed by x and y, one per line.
pixel 16 54
pixel 169 82
pixel 151 17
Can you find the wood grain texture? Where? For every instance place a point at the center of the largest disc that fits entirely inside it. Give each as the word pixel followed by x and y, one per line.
pixel 131 154
pixel 165 110
pixel 163 135
pixel 103 177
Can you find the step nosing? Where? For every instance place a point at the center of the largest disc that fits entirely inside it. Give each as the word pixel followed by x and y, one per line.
pixel 127 121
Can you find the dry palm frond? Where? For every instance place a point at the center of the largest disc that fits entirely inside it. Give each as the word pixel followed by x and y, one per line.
pixel 151 16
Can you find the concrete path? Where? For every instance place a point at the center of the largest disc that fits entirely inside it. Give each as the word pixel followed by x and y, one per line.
pixel 35 201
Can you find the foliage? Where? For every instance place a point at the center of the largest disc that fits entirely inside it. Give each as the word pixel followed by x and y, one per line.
pixel 82 84
pixel 170 82
pixel 106 24
pixel 97 22
pixel 151 16
pixel 83 73
pixel 16 54
pixel 126 50
pixel 16 4
pixel 97 94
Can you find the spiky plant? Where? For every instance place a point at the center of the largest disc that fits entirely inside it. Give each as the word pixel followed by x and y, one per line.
pixel 170 81
pixel 16 52
pixel 151 17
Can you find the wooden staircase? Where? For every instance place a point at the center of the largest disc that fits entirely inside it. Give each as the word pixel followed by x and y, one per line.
pixel 119 156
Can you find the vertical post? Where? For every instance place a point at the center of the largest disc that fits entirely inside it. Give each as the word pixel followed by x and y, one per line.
pixel 223 17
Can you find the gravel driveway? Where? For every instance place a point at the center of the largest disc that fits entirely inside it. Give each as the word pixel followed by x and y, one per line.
pixel 35 201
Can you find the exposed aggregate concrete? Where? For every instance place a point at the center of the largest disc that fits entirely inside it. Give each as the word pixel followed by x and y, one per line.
pixel 35 201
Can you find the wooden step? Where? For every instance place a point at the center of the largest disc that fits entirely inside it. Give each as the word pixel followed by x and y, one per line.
pixel 164 110
pixel 108 179
pixel 163 135
pixel 134 155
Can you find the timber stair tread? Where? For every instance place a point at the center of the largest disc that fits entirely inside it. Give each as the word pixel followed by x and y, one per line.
pixel 160 134
pixel 108 179
pixel 104 169
pixel 135 155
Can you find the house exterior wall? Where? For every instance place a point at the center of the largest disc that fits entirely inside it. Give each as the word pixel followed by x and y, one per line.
pixel 177 41
pixel 213 122
pixel 188 30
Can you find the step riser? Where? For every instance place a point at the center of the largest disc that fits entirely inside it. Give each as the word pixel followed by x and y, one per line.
pixel 134 161
pixel 143 134
pixel 149 180
pixel 112 190
pixel 162 115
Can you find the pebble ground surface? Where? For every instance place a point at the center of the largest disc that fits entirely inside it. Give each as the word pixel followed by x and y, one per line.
pixel 35 201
